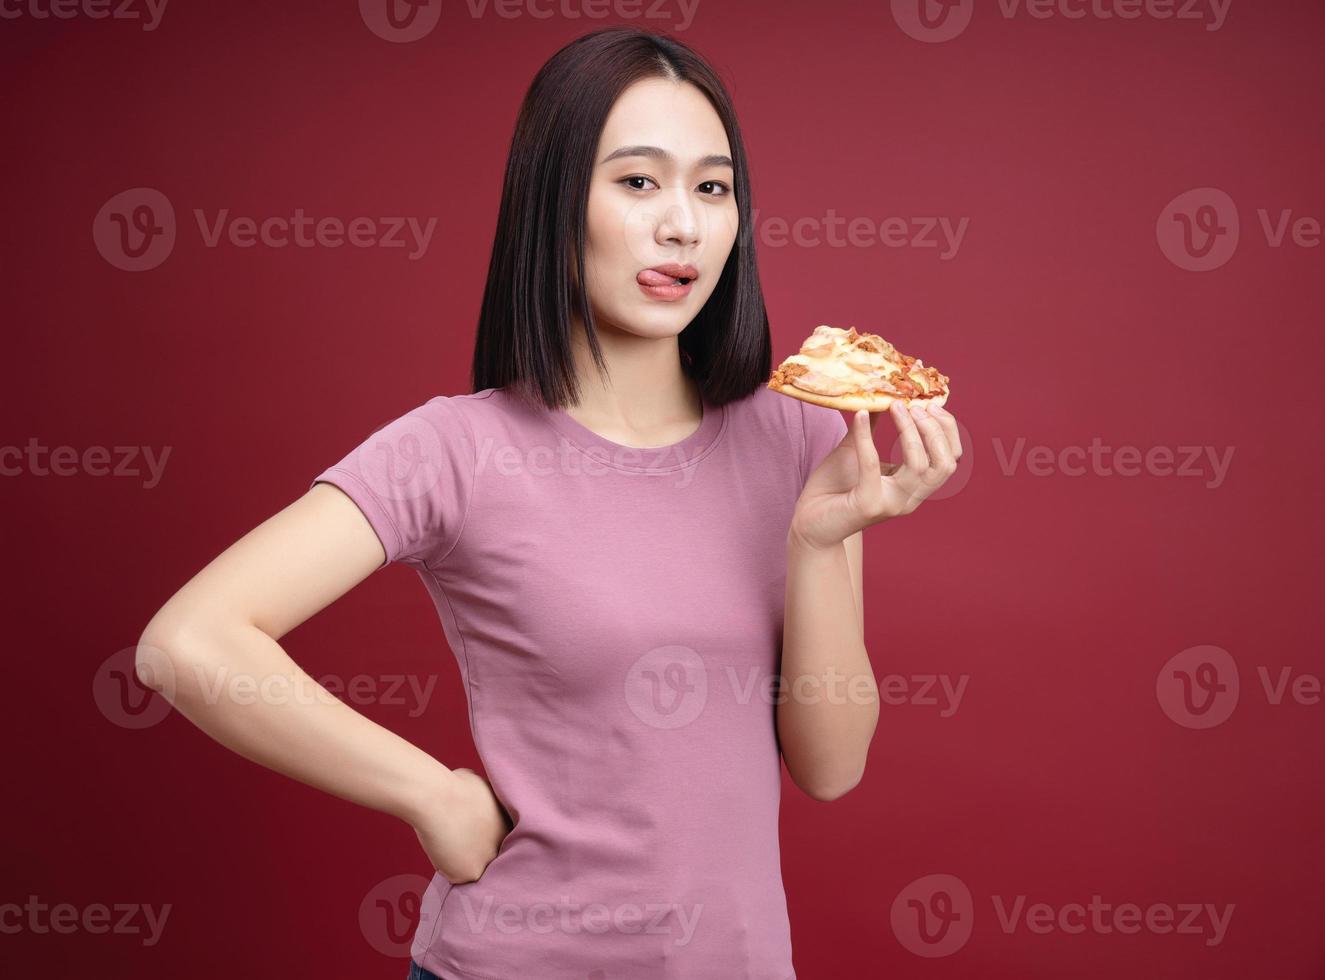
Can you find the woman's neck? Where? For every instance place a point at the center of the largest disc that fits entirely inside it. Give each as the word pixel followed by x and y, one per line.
pixel 647 399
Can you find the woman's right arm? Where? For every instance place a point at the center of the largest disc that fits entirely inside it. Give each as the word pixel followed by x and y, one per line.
pixel 225 623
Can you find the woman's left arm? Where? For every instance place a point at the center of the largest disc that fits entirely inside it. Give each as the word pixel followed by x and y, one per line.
pixel 829 704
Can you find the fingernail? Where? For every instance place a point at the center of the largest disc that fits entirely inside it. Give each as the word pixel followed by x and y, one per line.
pixel 917 412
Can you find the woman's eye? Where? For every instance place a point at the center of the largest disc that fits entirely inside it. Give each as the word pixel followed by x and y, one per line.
pixel 710 188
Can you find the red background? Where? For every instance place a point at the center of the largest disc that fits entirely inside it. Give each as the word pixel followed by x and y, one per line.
pixel 1061 775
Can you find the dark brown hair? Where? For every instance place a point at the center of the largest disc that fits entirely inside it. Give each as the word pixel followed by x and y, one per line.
pixel 524 328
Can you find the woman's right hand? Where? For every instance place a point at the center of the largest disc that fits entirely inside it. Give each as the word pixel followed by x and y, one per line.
pixel 462 832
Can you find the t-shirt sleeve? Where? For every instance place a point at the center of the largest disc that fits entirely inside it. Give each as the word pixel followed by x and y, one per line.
pixel 824 429
pixel 412 479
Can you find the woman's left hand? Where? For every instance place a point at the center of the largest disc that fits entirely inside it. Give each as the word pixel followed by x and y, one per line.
pixel 849 490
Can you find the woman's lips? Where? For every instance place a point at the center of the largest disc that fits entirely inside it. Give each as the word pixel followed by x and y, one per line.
pixel 669 293
pixel 658 286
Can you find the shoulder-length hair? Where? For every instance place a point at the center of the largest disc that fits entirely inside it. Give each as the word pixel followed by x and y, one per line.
pixel 524 329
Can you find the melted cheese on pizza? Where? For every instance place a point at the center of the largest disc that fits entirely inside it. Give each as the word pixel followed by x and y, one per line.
pixel 835 362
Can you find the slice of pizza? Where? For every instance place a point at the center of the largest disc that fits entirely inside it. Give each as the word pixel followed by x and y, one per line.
pixel 847 370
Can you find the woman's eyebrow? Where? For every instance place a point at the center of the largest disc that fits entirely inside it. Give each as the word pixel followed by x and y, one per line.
pixel 658 153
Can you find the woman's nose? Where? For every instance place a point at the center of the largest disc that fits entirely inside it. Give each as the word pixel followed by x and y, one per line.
pixel 680 224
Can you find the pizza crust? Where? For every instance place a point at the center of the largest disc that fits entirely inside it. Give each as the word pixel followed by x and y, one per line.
pixel 870 401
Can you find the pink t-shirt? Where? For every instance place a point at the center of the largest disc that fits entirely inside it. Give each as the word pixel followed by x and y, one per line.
pixel 617 616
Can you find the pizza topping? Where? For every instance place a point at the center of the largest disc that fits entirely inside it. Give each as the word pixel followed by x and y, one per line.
pixel 822 376
pixel 884 384
pixel 869 365
pixel 909 388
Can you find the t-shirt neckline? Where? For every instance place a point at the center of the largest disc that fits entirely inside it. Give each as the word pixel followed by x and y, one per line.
pixel 652 459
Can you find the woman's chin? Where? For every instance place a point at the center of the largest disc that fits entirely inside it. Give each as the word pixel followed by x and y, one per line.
pixel 662 320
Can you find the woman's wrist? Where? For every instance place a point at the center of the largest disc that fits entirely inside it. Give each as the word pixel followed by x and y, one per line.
pixel 431 789
pixel 799 541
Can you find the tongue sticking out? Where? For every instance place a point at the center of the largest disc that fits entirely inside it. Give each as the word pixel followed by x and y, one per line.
pixel 651 277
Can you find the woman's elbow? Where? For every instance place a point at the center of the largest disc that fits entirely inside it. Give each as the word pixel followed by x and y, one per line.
pixel 828 790
pixel 168 655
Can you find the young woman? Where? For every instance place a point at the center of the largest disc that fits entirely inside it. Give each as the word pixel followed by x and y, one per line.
pixel 628 538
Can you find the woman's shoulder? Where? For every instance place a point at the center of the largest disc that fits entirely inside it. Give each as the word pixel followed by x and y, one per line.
pixel 487 409
pixel 474 408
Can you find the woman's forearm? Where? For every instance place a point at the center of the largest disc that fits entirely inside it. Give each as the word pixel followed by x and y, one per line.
pixel 830 700
pixel 239 686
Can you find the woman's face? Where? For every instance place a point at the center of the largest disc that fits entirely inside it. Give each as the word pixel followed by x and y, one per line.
pixel 661 193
